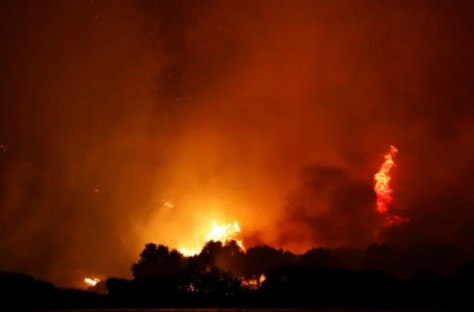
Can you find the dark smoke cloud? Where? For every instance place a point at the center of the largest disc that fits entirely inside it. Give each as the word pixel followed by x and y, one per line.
pixel 332 209
pixel 217 106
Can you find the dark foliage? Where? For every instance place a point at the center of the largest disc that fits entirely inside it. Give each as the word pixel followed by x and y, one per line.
pixel 23 292
pixel 157 260
pixel 379 277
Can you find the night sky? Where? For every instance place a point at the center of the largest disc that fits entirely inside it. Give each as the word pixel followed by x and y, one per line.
pixel 126 122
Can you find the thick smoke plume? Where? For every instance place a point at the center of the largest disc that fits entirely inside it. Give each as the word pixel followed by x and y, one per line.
pixel 125 122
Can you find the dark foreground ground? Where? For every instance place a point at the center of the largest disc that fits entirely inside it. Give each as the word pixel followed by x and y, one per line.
pixel 289 286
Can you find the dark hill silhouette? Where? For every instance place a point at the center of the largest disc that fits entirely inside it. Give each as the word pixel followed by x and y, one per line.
pixel 379 277
pixel 21 291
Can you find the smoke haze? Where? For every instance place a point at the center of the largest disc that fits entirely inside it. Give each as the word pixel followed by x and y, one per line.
pixel 273 113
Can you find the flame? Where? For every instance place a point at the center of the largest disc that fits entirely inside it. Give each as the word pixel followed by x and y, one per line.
pixel 223 233
pixel 189 252
pixel 382 181
pixel 91 281
pixel 253 282
pixel 384 192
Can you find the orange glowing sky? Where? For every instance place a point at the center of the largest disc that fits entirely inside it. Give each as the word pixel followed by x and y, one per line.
pixel 125 122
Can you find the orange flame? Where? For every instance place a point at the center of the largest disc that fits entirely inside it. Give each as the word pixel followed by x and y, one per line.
pixel 384 192
pixel 91 281
pixel 219 233
pixel 382 181
pixel 253 282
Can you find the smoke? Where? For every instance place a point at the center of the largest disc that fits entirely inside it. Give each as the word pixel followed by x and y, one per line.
pixel 217 106
pixel 331 209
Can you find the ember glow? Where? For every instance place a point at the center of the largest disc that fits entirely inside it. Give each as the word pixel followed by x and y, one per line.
pixel 223 233
pixel 384 192
pixel 253 282
pixel 393 220
pixel 91 281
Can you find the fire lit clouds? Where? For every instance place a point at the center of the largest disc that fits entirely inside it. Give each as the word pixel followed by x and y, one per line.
pixel 128 122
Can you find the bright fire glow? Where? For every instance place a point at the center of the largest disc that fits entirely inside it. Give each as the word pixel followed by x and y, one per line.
pixel 384 192
pixel 382 181
pixel 223 233
pixel 189 252
pixel 91 281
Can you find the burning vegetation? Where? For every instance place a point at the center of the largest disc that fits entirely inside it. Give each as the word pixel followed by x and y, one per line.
pixel 91 281
pixel 325 189
pixel 223 233
pixel 384 192
pixel 382 181
pixel 264 276
pixel 253 282
pixel 195 102
pixel 221 245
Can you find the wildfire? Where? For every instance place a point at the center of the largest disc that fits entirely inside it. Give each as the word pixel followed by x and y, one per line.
pixel 223 233
pixel 384 192
pixel 189 252
pixel 382 181
pixel 253 282
pixel 91 281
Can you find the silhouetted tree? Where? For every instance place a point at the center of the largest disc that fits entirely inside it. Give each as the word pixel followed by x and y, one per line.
pixel 261 259
pixel 158 260
pixel 333 258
